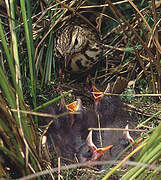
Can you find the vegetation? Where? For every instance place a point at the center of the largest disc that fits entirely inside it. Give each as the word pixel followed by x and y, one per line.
pixel 28 75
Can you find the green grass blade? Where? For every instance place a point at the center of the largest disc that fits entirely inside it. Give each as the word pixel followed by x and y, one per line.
pixel 14 43
pixel 29 51
pixel 7 52
pixel 48 62
pixel 53 100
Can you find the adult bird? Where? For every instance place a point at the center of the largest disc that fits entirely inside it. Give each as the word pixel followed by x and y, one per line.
pixel 77 45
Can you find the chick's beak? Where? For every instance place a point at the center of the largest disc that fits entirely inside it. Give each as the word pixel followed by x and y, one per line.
pixel 130 139
pixel 97 94
pixel 75 106
pixel 72 106
pixel 127 134
pixel 97 152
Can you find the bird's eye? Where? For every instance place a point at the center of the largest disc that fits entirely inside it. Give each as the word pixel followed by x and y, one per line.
pixel 76 42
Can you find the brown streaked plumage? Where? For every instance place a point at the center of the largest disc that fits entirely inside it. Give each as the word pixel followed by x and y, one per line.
pixel 77 46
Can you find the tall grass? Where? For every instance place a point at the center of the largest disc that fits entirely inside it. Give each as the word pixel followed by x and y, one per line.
pixel 18 133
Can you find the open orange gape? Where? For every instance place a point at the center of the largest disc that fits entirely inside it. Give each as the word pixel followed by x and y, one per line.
pixel 111 114
pixel 97 153
pixel 72 138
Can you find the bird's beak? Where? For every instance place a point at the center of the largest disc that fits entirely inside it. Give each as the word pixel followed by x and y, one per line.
pixel 97 94
pixel 75 106
pixel 97 152
pixel 67 60
pixel 127 134
pixel 108 89
pixel 103 149
pixel 130 139
pixel 72 106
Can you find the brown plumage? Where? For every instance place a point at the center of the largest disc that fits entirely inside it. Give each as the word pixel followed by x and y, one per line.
pixel 77 46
